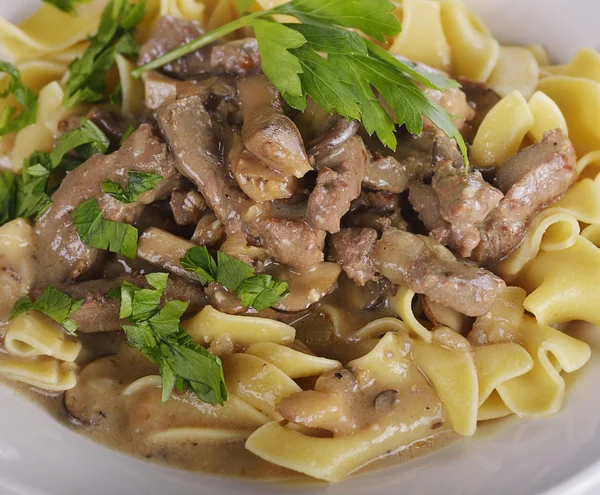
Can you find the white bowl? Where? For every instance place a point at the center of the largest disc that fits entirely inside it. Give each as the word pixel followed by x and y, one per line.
pixel 554 456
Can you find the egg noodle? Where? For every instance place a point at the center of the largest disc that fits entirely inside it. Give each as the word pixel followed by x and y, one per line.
pixel 516 368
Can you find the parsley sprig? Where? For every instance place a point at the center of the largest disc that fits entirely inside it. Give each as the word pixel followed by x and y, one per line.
pixel 54 304
pixel 139 183
pixel 255 291
pixel 68 6
pixel 352 75
pixel 155 331
pixel 86 83
pixel 9 122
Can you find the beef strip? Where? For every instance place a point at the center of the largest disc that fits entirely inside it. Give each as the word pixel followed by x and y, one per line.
pixel 190 131
pixel 395 171
pixel 100 313
pixel 335 132
pixel 417 262
pixel 426 267
pixel 237 57
pixel 267 132
pixel 60 254
pixel 187 206
pixel 170 33
pixel 114 126
pixel 352 248
pixel 531 180
pixel 452 100
pixel 338 183
pixel 453 208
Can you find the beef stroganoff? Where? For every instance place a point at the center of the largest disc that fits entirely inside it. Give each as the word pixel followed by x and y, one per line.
pixel 279 238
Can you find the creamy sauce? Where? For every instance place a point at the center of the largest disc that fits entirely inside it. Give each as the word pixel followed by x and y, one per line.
pixel 98 408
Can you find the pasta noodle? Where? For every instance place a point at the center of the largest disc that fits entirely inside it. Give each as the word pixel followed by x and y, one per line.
pixel 210 324
pixel 546 116
pixel 132 88
pixel 33 334
pixel 502 131
pixel 422 38
pixel 516 70
pixel 401 304
pixel 43 372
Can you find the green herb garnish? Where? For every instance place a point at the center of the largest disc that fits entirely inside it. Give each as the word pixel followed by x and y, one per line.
pixel 355 71
pixel 8 196
pixel 98 232
pixel 255 291
pixel 139 182
pixel 54 304
pixel 86 83
pixel 86 140
pixel 68 6
pixel 158 336
pixel 9 122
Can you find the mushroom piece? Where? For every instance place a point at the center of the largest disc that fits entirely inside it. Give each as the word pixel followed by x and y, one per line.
pixel 164 250
pixel 307 287
pixel 209 231
pixel 443 316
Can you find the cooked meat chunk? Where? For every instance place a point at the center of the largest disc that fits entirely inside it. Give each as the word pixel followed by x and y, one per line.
pixel 395 171
pixel 209 231
pixel 267 132
pixel 187 206
pixel 338 183
pixel 100 313
pixel 453 208
pixel 379 201
pixel 236 57
pixel 452 100
pixel 158 89
pixel 352 248
pixel 111 124
pixel 532 179
pixel 60 253
pixel 170 33
pixel 426 267
pixel 190 131
pixel 334 133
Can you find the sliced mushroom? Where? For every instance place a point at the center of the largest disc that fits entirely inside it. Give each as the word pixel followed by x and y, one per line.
pixel 306 288
pixel 444 316
pixel 209 231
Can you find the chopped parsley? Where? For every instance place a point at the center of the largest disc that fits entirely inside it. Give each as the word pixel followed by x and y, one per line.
pixel 98 232
pixel 10 120
pixel 86 83
pixel 54 304
pixel 156 333
pixel 139 182
pixel 68 6
pixel 255 291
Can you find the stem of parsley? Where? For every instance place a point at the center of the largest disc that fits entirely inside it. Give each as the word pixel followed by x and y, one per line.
pixel 207 39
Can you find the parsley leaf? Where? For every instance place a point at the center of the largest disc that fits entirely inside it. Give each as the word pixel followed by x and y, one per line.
pixel 255 291
pixel 199 261
pixel 96 231
pixel 54 304
pixel 139 182
pixel 86 81
pixel 156 333
pixel 9 122
pixel 261 291
pixel 87 140
pixel 8 194
pixel 355 72
pixel 68 6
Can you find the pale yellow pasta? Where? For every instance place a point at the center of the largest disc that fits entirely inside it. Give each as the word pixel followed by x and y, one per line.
pixel 17 264
pixel 422 38
pixel 592 233
pixel 210 324
pixel 44 372
pixel 579 101
pixel 502 131
pixel 585 63
pixel 34 334
pixel 546 116
pixel 540 54
pixel 293 363
pixel 453 374
pixel 387 366
pixel 40 136
pixel 379 327
pixel 516 69
pixel 401 304
pixel 493 408
pixel 49 30
pixel 132 88
pixel 179 435
pixel 563 285
pixel 258 382
pixel 474 52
